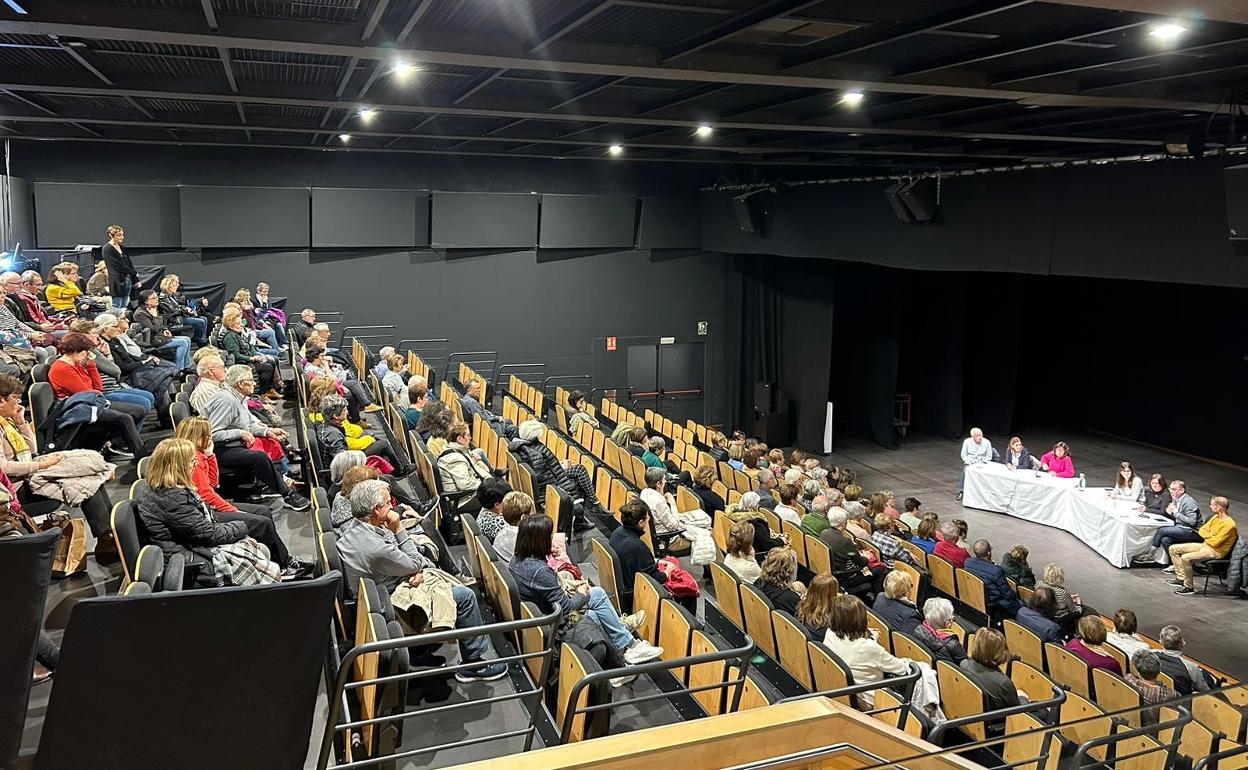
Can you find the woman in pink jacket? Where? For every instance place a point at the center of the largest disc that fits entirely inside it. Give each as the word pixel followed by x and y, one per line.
pixel 1057 461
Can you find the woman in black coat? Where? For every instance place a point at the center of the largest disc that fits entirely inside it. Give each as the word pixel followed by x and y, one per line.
pixel 776 582
pixel 703 478
pixel 547 469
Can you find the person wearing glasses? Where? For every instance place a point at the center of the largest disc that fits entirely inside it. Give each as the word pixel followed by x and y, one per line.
pixel 1127 485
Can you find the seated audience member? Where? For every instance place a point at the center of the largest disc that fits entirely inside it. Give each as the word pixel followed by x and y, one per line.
pixel 301 328
pixel 417 400
pixel 175 519
pixel 471 403
pixel 937 634
pixel 578 408
pixel 26 290
pixel 1218 538
pixel 460 469
pixel 490 518
pixel 375 545
pixel 635 555
pixel 149 319
pixel 236 433
pixel 852 505
pixel 656 448
pixel 394 382
pixel 621 434
pixel 912 515
pixel 517 506
pixel 1127 485
pixel 1089 644
pixel 1156 498
pixel 925 534
pixel 1187 520
pixel 150 374
pixel 319 364
pixel 949 547
pixel 890 504
pixel 860 526
pixel 97 284
pixel 1002 600
pixel 976 450
pixel 815 609
pixel 849 565
pixel 809 489
pixel 749 462
pixel 268 311
pixel 318 389
pixel 1058 462
pixel 1037 615
pixel 775 463
pixel 343 462
pixel 237 348
pixel 539 584
pixel 739 557
pixel 766 489
pixel 855 644
pixel 211 371
pixel 1017 456
pixel 1147 668
pixel 435 418
pixel 382 367
pixel 62 291
pixel 662 504
pixel 1125 635
pixel 331 435
pixel 703 478
pixel 893 604
pixel 182 313
pixel 25 469
pixel 74 373
pixel 778 580
pixel 815 521
pixel 1188 676
pixel 1068 607
pixel 636 443
pixel 784 509
pixel 257 518
pixel 340 507
pixel 719 447
pixel 983 667
pixel 110 374
pixel 547 469
pixel 885 539
pixel 265 331
pixel 746 510
pixel 1016 567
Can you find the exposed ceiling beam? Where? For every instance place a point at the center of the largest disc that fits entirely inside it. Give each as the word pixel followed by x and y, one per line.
pixel 145 112
pixel 616 61
pixel 585 11
pixel 210 14
pixel 589 89
pixel 877 35
pixel 418 13
pixel 545 115
pixel 228 66
pixel 347 71
pixel 1130 82
pixel 82 61
pixel 29 102
pixel 1015 46
pixel 1235 11
pixel 481 82
pixel 681 97
pixel 771 104
pixel 374 18
pixel 1047 72
pixel 722 30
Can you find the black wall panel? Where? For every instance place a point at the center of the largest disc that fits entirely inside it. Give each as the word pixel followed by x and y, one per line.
pixel 69 214
pixel 670 223
pixel 588 221
pixel 245 217
pixel 357 218
pixel 464 220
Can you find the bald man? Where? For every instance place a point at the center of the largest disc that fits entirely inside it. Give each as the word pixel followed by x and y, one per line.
pixel 976 450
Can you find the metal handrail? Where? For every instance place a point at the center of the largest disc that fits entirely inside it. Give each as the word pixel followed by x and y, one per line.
pixel 906 691
pixel 516 369
pixel 341 684
pixel 462 357
pixel 559 379
pixel 342 334
pixel 1204 761
pixel 1185 716
pixel 741 654
pixel 939 730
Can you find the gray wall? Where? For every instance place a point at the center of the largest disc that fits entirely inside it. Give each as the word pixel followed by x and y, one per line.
pixel 18 190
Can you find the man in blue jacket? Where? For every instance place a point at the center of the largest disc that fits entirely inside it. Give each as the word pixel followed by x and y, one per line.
pixel 1002 600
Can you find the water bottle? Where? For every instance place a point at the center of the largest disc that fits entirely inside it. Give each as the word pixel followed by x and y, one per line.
pixel 1083 481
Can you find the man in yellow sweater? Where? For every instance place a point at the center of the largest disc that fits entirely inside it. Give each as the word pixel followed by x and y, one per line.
pixel 1217 539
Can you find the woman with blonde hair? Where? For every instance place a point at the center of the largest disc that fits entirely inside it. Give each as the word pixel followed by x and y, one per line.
pixel 264 330
pixel 257 518
pixel 394 382
pixel 739 558
pixel 183 314
pixel 122 277
pixel 815 608
pixel 237 348
pixel 175 519
pixel 1068 606
pixel 704 478
pixel 62 292
pixel 97 284
pixel 778 580
pixel 340 509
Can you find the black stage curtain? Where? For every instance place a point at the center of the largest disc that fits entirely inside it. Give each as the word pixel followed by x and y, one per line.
pixel 755 334
pixel 806 345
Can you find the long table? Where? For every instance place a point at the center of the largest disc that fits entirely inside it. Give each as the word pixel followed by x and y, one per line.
pixel 1112 528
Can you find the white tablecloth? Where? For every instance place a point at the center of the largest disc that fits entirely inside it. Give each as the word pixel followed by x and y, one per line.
pixel 1112 528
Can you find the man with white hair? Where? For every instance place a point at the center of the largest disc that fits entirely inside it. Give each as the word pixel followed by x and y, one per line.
pixel 235 431
pixel 849 566
pixel 1187 674
pixel 211 370
pixel 816 519
pixel 767 483
pixel 374 544
pixel 976 450
pixel 472 405
pixel 301 328
pixel 381 370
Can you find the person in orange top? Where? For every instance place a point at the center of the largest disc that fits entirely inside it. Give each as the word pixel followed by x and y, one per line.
pixel 1218 537
pixel 75 372
pixel 258 518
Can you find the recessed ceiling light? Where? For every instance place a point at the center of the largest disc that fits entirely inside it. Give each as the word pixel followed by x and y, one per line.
pixel 615 149
pixel 1167 32
pixel 852 98
pixel 345 138
pixel 367 114
pixel 704 131
pixel 402 69
pixel 855 134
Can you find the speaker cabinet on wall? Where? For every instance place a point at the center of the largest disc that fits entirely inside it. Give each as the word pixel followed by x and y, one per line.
pixel 893 194
pixel 751 212
pixel 915 201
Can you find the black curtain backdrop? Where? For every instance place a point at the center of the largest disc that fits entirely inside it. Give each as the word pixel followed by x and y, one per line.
pixel 755 330
pixel 806 345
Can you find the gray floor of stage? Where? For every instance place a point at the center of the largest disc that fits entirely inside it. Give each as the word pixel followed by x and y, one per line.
pixel 927 467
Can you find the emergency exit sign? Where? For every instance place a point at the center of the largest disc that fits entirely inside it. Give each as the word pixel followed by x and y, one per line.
pixel 610 343
pixel 704 327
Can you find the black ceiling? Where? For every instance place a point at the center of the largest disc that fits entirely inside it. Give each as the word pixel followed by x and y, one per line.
pixel 947 83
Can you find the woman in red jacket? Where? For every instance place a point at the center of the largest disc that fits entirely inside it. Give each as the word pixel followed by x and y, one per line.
pixel 74 372
pixel 258 518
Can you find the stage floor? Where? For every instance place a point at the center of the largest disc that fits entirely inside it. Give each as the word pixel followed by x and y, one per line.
pixel 927 467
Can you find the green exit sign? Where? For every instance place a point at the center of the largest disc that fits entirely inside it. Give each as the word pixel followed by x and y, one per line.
pixel 704 327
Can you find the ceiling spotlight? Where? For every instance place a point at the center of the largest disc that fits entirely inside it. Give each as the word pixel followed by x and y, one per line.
pixel 403 68
pixel 367 114
pixel 704 131
pixel 344 138
pixel 615 149
pixel 1166 32
pixel 852 98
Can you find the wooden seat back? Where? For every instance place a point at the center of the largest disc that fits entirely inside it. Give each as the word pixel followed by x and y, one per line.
pixel 646 596
pixel 1068 669
pixel 818 556
pixel 713 702
pixel 675 634
pixel 960 697
pixel 727 594
pixel 797 539
pixel 830 672
pixel 608 576
pixel 1114 694
pixel 971 591
pixel 942 578
pixel 1024 643
pixel 791 639
pixel 756 608
pixel 906 646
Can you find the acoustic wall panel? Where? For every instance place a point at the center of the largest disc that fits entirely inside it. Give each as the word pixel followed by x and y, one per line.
pixel 245 217
pixel 670 223
pixel 68 214
pixel 588 221
pixel 484 220
pixel 355 218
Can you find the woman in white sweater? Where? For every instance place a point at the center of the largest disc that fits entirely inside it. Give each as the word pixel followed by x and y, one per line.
pixel 854 643
pixel 1127 485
